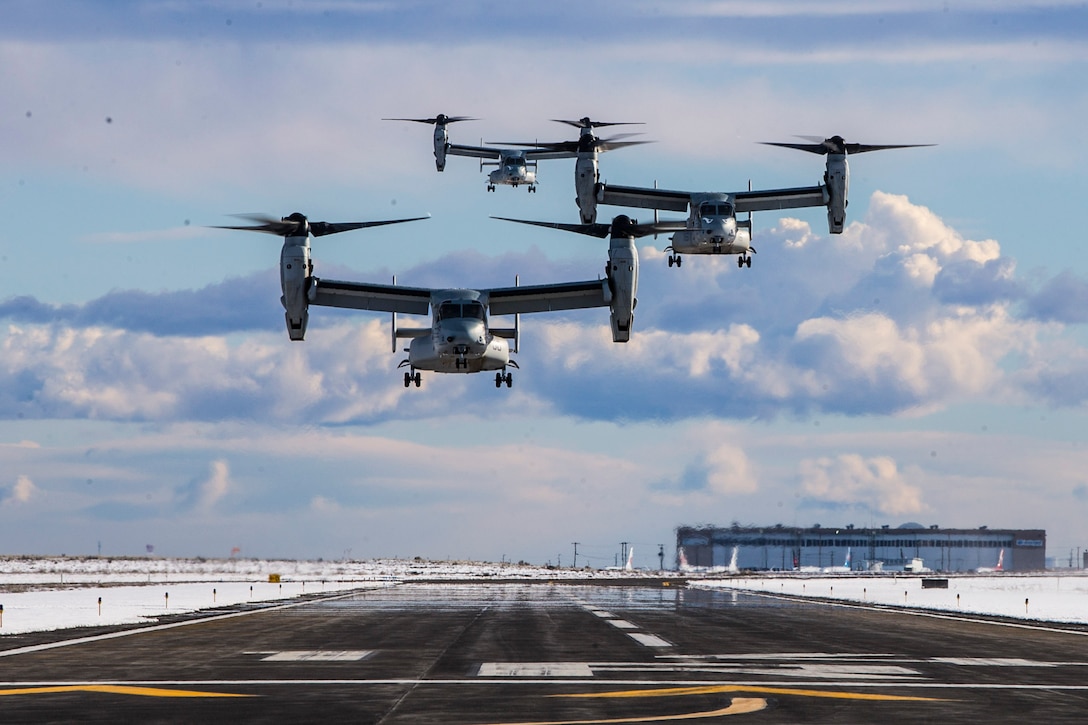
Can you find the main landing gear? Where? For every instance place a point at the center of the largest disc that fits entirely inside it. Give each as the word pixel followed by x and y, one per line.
pixel 675 259
pixel 412 377
pixel 744 261
pixel 504 377
pixel 490 187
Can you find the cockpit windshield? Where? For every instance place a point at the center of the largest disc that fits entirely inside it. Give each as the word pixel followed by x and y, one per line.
pixel 515 161
pixel 720 209
pixel 467 310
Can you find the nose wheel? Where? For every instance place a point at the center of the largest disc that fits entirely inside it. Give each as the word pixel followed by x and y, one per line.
pixel 412 377
pixel 504 377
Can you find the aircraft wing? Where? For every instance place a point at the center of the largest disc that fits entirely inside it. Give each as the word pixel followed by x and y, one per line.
pixel 644 198
pixel 375 297
pixel 534 154
pixel 549 297
pixel 478 152
pixel 770 199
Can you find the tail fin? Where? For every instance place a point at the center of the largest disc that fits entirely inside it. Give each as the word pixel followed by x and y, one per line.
pixel 630 565
pixel 1000 561
pixel 847 564
pixel 684 565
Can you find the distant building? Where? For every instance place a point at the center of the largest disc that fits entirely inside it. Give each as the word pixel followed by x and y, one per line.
pixel 786 548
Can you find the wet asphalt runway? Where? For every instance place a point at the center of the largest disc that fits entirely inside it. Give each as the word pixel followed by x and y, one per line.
pixel 487 654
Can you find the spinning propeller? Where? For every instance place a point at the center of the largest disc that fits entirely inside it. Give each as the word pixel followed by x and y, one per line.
pixel 621 226
pixel 837 145
pixel 297 225
pixel 588 141
pixel 439 120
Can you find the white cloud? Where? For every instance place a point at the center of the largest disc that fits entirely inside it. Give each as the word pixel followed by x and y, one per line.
pixel 860 483
pixel 22 491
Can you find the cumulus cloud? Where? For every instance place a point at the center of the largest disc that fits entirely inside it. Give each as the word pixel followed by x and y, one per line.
pixel 205 492
pixel 866 484
pixel 915 319
pixel 22 491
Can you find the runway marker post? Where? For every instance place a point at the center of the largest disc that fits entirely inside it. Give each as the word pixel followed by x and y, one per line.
pixel 100 606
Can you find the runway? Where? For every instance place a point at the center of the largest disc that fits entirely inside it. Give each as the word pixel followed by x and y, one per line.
pixel 497 654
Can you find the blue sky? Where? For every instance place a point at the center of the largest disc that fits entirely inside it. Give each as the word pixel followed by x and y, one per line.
pixel 926 365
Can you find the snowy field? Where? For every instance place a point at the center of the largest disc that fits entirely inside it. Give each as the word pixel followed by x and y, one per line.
pixel 1051 597
pixel 61 592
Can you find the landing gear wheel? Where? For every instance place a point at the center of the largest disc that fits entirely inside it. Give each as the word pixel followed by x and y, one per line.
pixel 490 187
pixel 748 262
pixel 740 261
pixel 407 379
pixel 417 379
pixel 672 260
pixel 509 380
pixel 679 260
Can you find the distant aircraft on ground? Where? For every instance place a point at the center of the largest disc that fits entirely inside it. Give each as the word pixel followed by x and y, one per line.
pixel 999 567
pixel 712 226
pixel 459 339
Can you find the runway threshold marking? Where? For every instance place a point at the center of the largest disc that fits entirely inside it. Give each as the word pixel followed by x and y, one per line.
pixel 118 690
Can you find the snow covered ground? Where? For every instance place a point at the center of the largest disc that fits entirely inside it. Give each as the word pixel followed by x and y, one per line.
pixel 61 592
pixel 1054 597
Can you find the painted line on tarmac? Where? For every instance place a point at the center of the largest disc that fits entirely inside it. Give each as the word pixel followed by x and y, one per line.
pixel 750 686
pixel 159 627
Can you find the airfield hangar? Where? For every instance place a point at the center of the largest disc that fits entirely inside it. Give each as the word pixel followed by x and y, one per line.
pixel 786 548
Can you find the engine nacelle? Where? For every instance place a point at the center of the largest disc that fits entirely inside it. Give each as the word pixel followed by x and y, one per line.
pixel 586 176
pixel 837 180
pixel 622 270
pixel 441 143
pixel 295 271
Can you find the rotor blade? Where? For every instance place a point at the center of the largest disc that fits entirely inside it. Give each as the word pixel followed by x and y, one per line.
pixel 321 229
pixel 613 145
pixel 267 225
pixel 837 145
pixel 593 230
pixel 587 123
pixel 440 118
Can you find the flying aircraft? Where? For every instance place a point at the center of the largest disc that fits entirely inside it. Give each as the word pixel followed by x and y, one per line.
pixel 621 269
pixel 517 166
pixel 712 225
pixel 587 175
pixel 459 339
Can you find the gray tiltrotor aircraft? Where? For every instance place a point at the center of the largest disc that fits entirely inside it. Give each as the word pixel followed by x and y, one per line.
pixel 712 226
pixel 621 269
pixel 459 339
pixel 517 166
